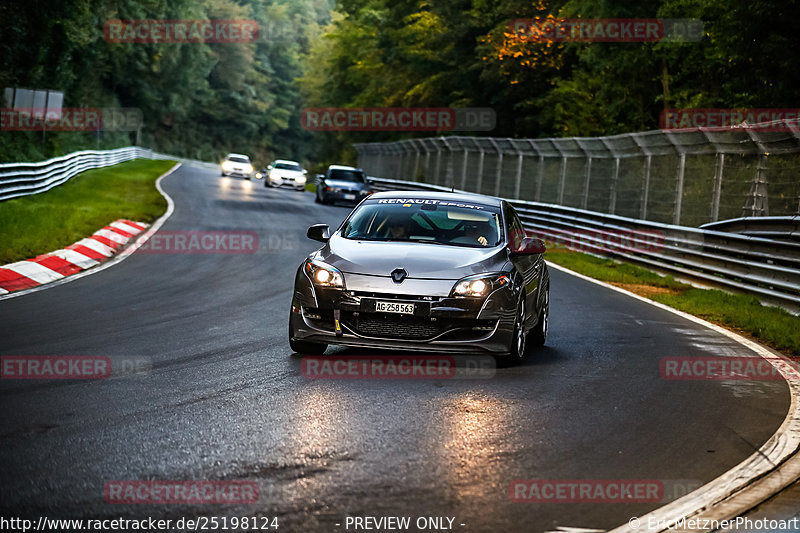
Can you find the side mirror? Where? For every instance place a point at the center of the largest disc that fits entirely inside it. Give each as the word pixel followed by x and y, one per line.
pixel 319 232
pixel 269 167
pixel 305 172
pixel 530 246
pixel 320 177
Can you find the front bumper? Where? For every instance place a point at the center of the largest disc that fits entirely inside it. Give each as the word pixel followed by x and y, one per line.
pixel 343 196
pixel 236 173
pixel 439 323
pixel 289 182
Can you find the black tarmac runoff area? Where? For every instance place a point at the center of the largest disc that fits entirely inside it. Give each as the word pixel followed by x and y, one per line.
pixel 204 387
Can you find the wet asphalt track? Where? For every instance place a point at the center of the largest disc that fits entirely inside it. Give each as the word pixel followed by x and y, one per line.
pixel 225 400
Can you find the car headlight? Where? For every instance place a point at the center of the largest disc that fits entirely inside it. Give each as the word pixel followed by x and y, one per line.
pixel 227 165
pixel 323 274
pixel 480 285
pixel 300 179
pixel 259 175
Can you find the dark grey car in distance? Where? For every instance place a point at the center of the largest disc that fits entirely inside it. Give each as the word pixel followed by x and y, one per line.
pixel 423 271
pixel 342 184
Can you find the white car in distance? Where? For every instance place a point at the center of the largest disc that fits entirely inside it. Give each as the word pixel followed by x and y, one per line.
pixel 237 165
pixel 284 172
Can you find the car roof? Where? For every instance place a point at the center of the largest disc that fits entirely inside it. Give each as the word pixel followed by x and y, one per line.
pixel 447 196
pixel 342 167
pixel 237 155
pixel 286 161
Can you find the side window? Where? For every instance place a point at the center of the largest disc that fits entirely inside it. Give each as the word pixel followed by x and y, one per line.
pixel 516 232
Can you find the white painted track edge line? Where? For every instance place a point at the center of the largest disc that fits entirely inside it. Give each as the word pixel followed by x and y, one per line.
pixel 780 447
pixel 139 241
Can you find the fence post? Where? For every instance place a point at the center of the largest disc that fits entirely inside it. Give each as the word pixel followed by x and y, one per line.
pixel 719 170
pixel 612 189
pixel 612 196
pixel 540 179
pixel 563 180
pixel 499 169
pixel 585 201
pixel 518 180
pixel 438 163
pixel 427 162
pixel 676 216
pixel 416 161
pixel 449 179
pixel 479 183
pixel 588 177
pixel 464 169
pixel 648 163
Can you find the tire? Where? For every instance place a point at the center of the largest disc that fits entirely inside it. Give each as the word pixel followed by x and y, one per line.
pixel 518 345
pixel 519 338
pixel 538 335
pixel 304 347
pixel 316 199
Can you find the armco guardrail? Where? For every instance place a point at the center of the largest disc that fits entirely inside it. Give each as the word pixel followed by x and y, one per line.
pixel 786 228
pixel 22 179
pixel 766 268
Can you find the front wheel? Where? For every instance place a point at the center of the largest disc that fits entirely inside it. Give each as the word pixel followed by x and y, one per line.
pixel 539 334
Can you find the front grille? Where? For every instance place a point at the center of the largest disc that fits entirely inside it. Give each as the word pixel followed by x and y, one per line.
pixel 415 328
pixel 374 325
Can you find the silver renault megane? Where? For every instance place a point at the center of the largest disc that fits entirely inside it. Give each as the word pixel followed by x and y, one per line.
pixel 423 271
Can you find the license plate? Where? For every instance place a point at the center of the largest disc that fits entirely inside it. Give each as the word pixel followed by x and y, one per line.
pixel 394 307
pixel 349 196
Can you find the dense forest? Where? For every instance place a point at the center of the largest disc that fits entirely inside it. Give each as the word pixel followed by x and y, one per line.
pixel 200 100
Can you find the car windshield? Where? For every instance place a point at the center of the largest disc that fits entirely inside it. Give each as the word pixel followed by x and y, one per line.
pixel 288 166
pixel 347 175
pixel 238 159
pixel 436 222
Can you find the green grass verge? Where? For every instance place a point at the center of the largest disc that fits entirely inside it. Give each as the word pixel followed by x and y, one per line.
pixel 41 223
pixel 741 313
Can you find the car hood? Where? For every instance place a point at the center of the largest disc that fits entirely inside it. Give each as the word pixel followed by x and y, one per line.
pixel 422 261
pixel 357 185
